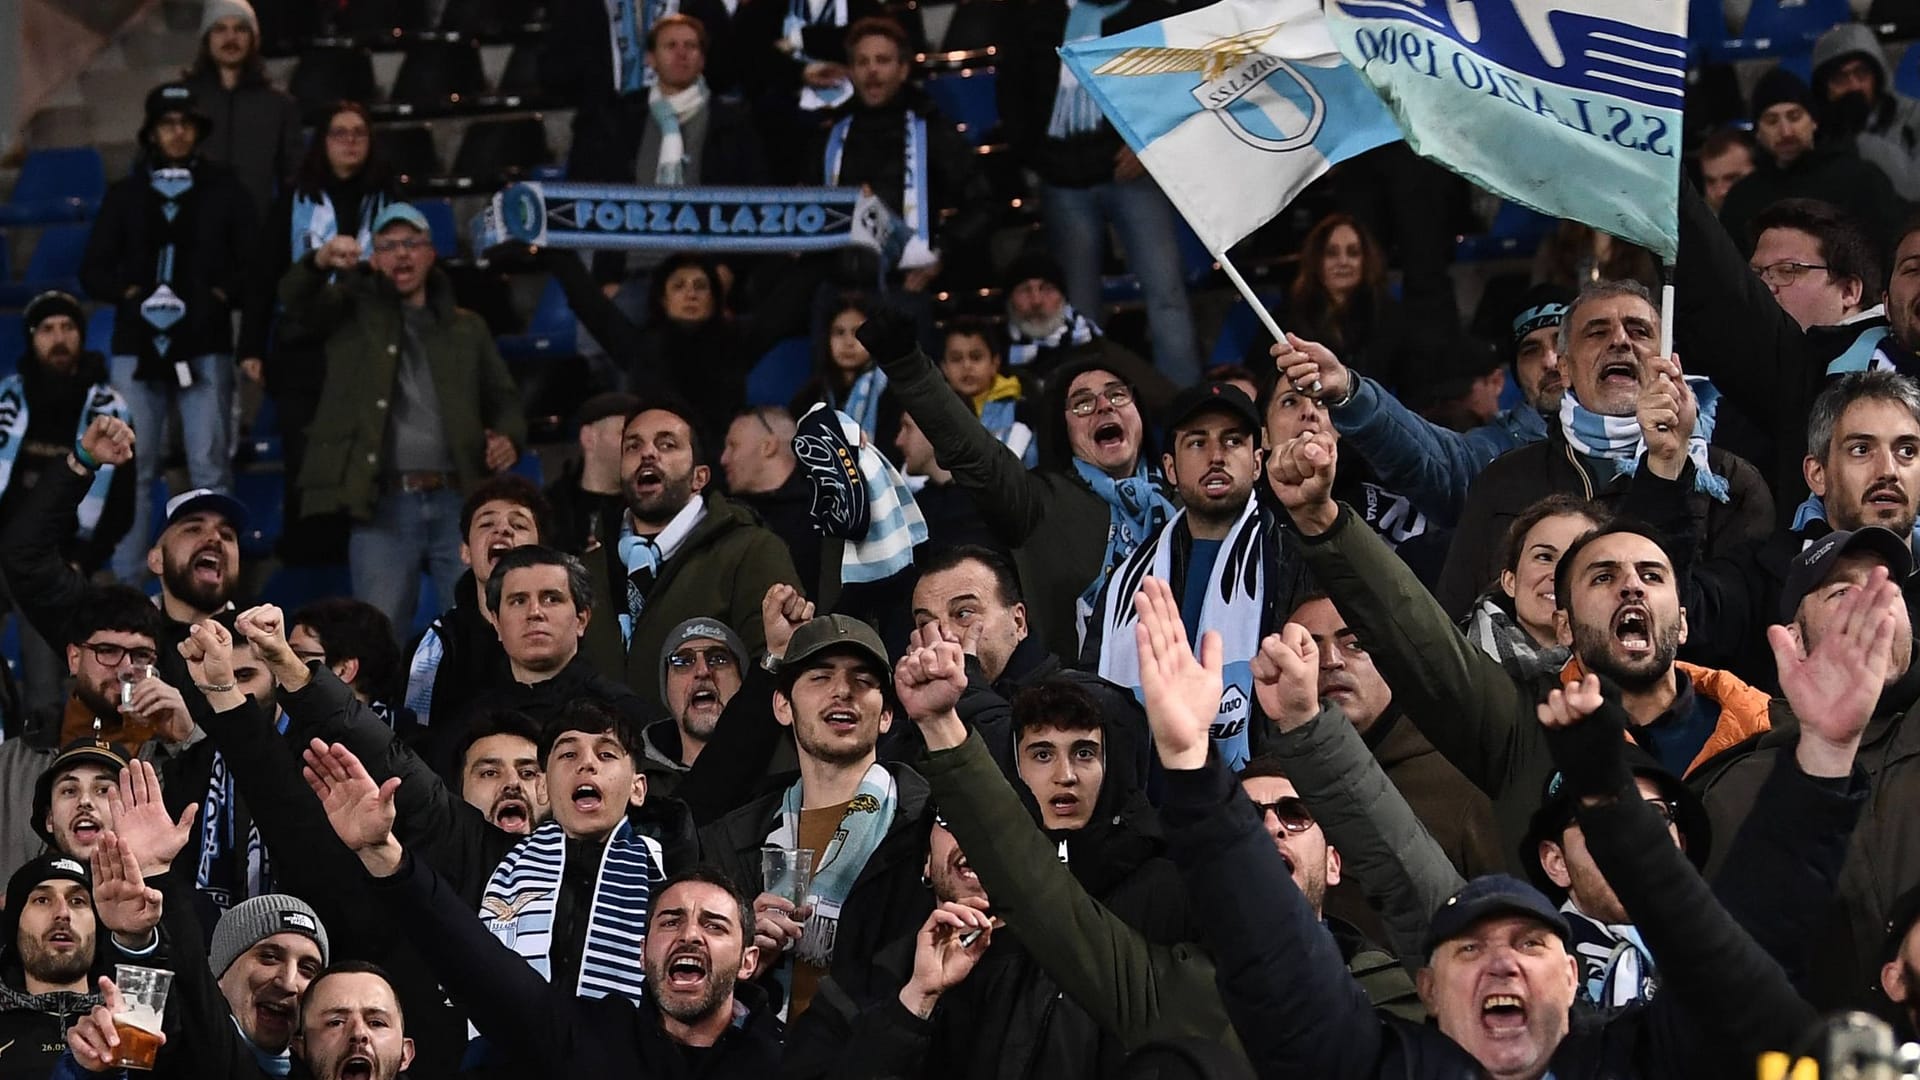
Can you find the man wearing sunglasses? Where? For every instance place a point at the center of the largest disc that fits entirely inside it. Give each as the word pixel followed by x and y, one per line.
pixel 702 664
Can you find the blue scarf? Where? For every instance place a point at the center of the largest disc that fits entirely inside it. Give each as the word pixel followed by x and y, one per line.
pixel 1074 110
pixel 524 892
pixel 914 205
pixel 1075 329
pixel 998 417
pixel 862 827
pixel 315 222
pixel 1136 506
pixel 863 399
pixel 102 400
pixel 1815 510
pixel 627 23
pixel 1617 438
pixel 232 867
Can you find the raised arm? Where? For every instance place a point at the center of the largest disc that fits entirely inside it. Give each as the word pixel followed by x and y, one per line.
pixel 1462 700
pixel 45 589
pixel 1430 464
pixel 1136 991
pixel 1296 1009
pixel 1011 500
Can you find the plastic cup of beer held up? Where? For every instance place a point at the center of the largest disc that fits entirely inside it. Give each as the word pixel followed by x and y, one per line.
pixel 143 1001
pixel 787 873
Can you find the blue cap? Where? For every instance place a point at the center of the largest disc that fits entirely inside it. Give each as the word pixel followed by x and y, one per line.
pixel 401 214
pixel 207 499
pixel 1485 897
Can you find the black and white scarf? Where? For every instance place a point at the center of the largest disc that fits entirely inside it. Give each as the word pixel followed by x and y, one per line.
pixel 1498 634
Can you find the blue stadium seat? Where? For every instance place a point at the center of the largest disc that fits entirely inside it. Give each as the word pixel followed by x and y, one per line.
pixel 550 332
pixel 1799 62
pixel 264 494
pixel 293 587
pixel 1788 23
pixel 426 609
pixel 55 264
pixel 781 372
pixel 1240 329
pixel 1515 232
pixel 528 468
pixel 967 98
pixel 440 221
pixel 1906 77
pixel 100 331
pixel 56 185
pixel 13 342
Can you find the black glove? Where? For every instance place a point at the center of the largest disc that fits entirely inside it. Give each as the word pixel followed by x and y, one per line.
pixel 1591 755
pixel 890 335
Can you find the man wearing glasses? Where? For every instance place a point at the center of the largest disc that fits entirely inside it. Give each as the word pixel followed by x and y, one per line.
pixel 115 699
pixel 701 668
pixel 418 407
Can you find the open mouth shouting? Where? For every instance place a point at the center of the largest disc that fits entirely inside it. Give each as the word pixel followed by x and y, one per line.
pixel 587 798
pixel 1063 804
pixel 209 565
pixel 705 697
pixel 841 721
pixel 648 480
pixel 1633 629
pixel 1620 368
pixel 687 970
pixel 1503 1016
pixel 511 813
pixel 86 829
pixel 1110 436
pixel 1216 483
pixel 356 1067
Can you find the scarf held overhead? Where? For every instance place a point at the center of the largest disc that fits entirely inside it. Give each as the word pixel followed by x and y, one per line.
pixel 915 208
pixel 102 400
pixel 1232 607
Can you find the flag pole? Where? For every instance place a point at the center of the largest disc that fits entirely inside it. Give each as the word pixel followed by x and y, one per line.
pixel 1253 301
pixel 1666 316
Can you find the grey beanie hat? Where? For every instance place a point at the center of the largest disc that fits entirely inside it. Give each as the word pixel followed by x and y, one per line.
pixel 215 10
pixel 248 924
pixel 692 629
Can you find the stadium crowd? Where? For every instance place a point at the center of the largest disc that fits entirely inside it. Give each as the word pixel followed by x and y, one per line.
pixel 1412 696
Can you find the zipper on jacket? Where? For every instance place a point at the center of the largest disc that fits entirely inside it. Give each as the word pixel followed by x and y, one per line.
pixel 1585 483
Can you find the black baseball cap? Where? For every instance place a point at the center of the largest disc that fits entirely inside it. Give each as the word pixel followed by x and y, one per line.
pixel 1212 397
pixel 80 751
pixel 1485 897
pixel 1816 562
pixel 1556 813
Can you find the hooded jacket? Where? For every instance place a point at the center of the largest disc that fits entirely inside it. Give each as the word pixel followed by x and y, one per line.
pixel 721 571
pixel 213 243
pixel 1890 135
pixel 347 440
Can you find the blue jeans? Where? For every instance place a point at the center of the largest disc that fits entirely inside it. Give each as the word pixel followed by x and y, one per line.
pixel 206 423
pixel 410 531
pixel 1077 220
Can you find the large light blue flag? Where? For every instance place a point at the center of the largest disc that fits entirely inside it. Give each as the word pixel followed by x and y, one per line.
pixel 1233 108
pixel 1571 107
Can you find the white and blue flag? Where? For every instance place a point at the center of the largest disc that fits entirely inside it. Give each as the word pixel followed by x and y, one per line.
pixel 1571 107
pixel 1233 108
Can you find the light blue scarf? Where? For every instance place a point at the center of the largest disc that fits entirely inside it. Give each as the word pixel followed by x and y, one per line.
pixel 1617 438
pixel 314 222
pixel 864 825
pixel 998 417
pixel 915 207
pixel 1136 506
pixel 102 400
pixel 863 399
pixel 1815 510
pixel 1074 110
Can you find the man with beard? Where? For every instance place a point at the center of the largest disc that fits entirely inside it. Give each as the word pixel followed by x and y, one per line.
pixel 701 668
pixel 500 771
pixel 865 821
pixel 1800 161
pixel 1851 75
pixel 44 408
pixel 1431 464
pixel 1862 463
pixel 52 945
pixel 1609 341
pixel 1094 499
pixel 459 656
pixel 1724 310
pixel 696 947
pixel 351 1025
pixel 1215 551
pixel 1618 607
pixel 685 550
pixel 418 409
pixel 1045 333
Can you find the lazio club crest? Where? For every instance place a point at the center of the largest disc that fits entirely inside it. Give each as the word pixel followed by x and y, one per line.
pixel 1238 85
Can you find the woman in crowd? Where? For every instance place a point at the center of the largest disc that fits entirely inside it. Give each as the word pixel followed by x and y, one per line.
pixel 340 189
pixel 1340 299
pixel 1513 622
pixel 846 378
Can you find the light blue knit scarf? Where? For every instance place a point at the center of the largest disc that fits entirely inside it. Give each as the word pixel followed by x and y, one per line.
pixel 862 827
pixel 1136 505
pixel 1618 439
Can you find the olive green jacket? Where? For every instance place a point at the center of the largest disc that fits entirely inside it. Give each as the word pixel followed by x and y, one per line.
pixel 360 315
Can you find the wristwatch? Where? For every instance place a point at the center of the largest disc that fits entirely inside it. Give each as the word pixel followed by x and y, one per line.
pixel 770 664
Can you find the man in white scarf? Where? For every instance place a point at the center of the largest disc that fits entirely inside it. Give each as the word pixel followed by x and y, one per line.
pixel 677 52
